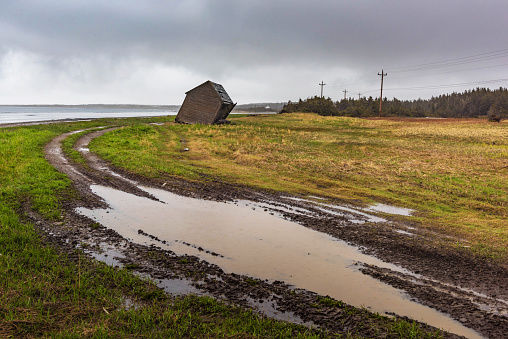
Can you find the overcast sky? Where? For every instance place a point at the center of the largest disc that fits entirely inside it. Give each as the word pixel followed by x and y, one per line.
pixel 153 51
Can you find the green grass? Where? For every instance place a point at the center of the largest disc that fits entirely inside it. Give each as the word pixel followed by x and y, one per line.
pixel 453 173
pixel 327 301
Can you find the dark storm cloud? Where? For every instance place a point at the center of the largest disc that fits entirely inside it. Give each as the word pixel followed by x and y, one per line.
pixel 219 38
pixel 302 30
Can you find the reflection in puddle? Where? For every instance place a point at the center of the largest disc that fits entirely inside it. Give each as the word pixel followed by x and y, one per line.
pixel 258 244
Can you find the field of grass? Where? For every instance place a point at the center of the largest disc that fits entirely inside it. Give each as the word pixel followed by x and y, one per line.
pixel 454 173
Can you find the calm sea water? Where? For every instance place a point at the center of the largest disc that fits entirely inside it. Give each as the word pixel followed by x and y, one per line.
pixel 18 114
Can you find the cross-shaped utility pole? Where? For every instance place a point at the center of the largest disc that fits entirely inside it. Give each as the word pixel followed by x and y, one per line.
pixel 322 84
pixel 381 97
pixel 345 91
pixel 359 95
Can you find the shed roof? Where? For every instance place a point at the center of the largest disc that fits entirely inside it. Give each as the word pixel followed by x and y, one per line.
pixel 219 89
pixel 222 93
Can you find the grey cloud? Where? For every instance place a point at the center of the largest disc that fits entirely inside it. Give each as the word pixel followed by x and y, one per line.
pixel 323 30
pixel 221 36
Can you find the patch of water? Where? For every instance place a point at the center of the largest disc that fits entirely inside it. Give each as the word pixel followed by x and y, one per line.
pixel 129 304
pixel 77 131
pixel 315 197
pixel 370 217
pixel 258 244
pixel 83 130
pixel 277 210
pixel 390 209
pixel 108 256
pixel 111 256
pixel 85 150
pixel 493 309
pixel 178 286
pixel 118 175
pixel 406 233
pixel 338 210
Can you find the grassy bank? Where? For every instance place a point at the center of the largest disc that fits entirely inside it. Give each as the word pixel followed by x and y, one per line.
pixel 47 293
pixel 454 173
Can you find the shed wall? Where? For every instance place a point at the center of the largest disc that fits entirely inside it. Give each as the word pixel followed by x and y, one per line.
pixel 201 105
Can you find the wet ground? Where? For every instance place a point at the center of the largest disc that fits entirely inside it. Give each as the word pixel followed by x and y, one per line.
pixel 278 253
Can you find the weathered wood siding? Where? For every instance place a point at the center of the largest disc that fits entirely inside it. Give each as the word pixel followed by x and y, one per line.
pixel 204 105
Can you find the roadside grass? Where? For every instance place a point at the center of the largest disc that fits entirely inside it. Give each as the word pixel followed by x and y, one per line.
pixel 454 174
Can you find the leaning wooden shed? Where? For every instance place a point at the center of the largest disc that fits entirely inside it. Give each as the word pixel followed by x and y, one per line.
pixel 206 104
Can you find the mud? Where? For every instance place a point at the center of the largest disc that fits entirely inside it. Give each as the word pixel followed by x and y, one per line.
pixel 470 289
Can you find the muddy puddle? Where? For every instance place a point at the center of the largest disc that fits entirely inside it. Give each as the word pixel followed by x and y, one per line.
pixel 246 240
pixel 113 257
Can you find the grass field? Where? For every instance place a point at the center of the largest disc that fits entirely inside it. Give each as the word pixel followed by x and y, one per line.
pixel 454 173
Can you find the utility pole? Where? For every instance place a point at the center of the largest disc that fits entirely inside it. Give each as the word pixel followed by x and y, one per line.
pixel 381 97
pixel 359 95
pixel 322 84
pixel 345 91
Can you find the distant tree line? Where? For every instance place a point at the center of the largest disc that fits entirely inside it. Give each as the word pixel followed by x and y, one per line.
pixel 479 102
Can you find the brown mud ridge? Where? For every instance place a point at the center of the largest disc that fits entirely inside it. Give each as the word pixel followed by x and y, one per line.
pixel 439 268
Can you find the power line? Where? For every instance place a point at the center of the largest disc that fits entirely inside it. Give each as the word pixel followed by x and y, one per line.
pixel 455 71
pixel 355 79
pixel 484 82
pixel 452 62
pixel 432 65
